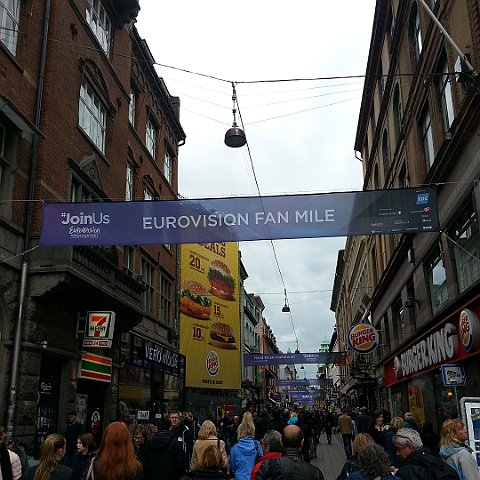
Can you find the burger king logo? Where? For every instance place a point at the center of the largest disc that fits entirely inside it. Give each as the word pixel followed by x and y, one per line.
pixel 469 329
pixel 363 338
pixel 212 363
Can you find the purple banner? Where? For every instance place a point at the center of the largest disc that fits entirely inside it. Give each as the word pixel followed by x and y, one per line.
pixel 409 210
pixel 303 382
pixel 303 397
pixel 253 359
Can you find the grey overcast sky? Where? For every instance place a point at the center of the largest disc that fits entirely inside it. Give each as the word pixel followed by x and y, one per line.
pixel 300 133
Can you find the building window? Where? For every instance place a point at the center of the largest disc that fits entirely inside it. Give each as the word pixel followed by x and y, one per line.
pixel 129 184
pixel 397 111
pixel 416 33
pixel 9 16
pixel 168 166
pixel 427 136
pixel 444 88
pixel 129 259
pixel 99 22
pixel 386 150
pixel 79 192
pixel 398 318
pixel 92 115
pixel 166 300
pixel 148 278
pixel 466 247
pixel 437 279
pixel 151 138
pixel 132 107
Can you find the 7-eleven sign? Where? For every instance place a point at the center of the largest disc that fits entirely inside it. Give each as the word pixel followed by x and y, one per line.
pixel 99 329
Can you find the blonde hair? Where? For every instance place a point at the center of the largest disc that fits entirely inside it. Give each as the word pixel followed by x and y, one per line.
pixel 208 428
pixel 397 422
pixel 211 458
pixel 360 441
pixel 48 462
pixel 449 431
pixel 246 427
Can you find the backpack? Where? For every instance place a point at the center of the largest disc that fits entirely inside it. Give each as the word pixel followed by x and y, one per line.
pixel 439 469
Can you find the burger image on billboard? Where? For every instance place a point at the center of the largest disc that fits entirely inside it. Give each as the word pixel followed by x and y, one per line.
pixel 222 336
pixel 194 300
pixel 222 284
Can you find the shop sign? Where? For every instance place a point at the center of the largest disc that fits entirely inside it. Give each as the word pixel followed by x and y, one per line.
pixel 95 367
pixel 363 338
pixel 161 355
pixel 143 415
pixel 434 349
pixel 469 330
pixel 99 329
pixel 453 375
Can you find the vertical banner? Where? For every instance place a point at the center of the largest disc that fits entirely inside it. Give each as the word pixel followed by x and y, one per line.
pixel 210 315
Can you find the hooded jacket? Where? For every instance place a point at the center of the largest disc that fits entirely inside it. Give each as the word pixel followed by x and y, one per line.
pixel 164 458
pixel 243 457
pixel 459 456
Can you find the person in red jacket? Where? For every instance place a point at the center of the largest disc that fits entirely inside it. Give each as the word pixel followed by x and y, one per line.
pixel 272 448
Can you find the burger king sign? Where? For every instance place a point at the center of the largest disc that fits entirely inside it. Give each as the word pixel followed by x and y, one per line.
pixel 363 338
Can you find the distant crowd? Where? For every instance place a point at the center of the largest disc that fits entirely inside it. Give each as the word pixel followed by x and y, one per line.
pixel 277 444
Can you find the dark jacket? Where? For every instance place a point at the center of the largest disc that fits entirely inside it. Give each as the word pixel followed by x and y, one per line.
pixel 388 446
pixel 164 458
pixel 61 473
pixel 289 465
pixel 184 436
pixel 277 424
pixel 362 423
pixel 72 432
pixel 361 476
pixel 349 467
pixel 79 464
pixel 421 465
pixel 203 474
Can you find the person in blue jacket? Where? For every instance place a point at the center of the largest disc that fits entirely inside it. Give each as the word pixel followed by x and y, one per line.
pixel 247 451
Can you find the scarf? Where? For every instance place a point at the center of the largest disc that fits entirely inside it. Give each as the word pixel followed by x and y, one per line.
pixel 5 463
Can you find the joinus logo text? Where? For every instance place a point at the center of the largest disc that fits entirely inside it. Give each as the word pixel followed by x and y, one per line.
pixel 97 218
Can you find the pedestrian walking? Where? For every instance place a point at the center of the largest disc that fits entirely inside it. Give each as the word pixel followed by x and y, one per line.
pixel 49 466
pixel 86 449
pixel 10 463
pixel 72 431
pixel 139 442
pixel 352 465
pixel 389 432
pixel 181 433
pixel 272 448
pixel 455 450
pixel 164 455
pixel 278 421
pixel 291 464
pixel 410 421
pixel 374 464
pixel 417 463
pixel 375 428
pixel 115 458
pixel 209 465
pixel 247 451
pixel 208 435
pixel 363 420
pixel 345 426
pixel 430 439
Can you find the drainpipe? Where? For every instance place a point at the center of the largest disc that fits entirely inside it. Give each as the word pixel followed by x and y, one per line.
pixel 27 232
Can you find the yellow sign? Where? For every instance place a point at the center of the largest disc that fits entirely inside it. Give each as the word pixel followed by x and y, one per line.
pixel 210 315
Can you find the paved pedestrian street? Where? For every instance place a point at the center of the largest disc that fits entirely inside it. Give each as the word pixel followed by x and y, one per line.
pixel 330 458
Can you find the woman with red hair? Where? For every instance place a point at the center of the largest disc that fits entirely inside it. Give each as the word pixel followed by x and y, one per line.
pixel 116 459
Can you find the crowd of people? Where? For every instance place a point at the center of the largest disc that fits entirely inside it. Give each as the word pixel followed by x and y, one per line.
pixel 274 445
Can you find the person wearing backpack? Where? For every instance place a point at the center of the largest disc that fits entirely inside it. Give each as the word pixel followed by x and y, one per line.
pixel 455 450
pixel 417 463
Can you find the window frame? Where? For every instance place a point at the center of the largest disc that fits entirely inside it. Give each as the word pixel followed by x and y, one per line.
pixel 148 279
pixel 90 102
pixel 438 292
pixel 102 30
pixel 168 166
pixel 132 107
pixel 9 25
pixel 129 183
pixel 416 32
pixel 426 130
pixel 151 132
pixel 445 94
pixel 167 300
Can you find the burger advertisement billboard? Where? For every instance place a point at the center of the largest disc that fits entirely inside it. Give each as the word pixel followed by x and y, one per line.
pixel 210 315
